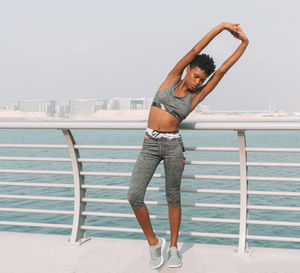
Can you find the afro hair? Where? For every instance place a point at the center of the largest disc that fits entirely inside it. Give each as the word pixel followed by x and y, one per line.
pixel 204 62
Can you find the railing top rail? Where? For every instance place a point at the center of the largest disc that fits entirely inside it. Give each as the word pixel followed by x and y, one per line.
pixel 143 124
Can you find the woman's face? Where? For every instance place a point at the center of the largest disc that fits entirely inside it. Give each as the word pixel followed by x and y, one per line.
pixel 195 77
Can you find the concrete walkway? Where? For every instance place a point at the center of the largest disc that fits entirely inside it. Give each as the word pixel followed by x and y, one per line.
pixel 40 253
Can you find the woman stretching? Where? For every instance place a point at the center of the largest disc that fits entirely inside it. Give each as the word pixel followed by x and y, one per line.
pixel 174 100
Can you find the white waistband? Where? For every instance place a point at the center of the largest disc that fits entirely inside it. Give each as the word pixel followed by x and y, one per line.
pixel 155 134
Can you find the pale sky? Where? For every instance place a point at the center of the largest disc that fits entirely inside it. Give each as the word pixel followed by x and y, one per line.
pixel 68 49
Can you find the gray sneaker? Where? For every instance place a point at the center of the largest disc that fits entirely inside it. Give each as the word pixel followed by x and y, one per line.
pixel 174 257
pixel 156 253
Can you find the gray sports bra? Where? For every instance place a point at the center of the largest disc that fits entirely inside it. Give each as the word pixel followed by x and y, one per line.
pixel 166 99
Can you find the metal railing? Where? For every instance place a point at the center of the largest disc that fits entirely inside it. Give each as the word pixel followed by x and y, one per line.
pixel 80 212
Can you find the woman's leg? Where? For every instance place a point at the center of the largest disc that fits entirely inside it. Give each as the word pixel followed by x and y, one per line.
pixel 142 216
pixel 174 162
pixel 175 220
pixel 143 171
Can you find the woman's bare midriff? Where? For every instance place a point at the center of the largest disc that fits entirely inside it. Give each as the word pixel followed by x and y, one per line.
pixel 160 120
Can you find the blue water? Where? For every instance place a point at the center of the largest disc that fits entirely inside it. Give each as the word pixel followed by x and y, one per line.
pixel 135 137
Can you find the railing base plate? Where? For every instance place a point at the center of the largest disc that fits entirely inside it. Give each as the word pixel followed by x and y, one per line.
pixel 248 251
pixel 79 242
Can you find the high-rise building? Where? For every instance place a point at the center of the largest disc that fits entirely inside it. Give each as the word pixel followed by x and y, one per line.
pixel 45 106
pixel 140 103
pixel 130 103
pixel 119 104
pixel 86 106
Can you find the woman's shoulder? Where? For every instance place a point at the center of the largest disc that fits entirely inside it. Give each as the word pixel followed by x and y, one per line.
pixel 168 86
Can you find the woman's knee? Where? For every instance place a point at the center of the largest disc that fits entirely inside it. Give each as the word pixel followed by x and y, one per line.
pixel 135 199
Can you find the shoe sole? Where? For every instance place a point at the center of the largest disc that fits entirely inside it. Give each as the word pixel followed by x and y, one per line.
pixel 175 265
pixel 161 254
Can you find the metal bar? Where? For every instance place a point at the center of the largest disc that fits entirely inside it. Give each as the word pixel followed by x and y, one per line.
pixel 78 219
pixel 273 208
pixel 264 178
pixel 36 146
pixel 273 193
pixel 188 219
pixel 30 197
pixel 85 173
pixel 280 150
pixel 55 159
pixel 108 147
pixel 190 162
pixel 212 177
pixel 159 175
pixel 202 205
pixel 213 191
pixel 134 230
pixel 239 126
pixel 27 224
pixel 271 164
pixel 37 211
pixel 108 160
pixel 126 147
pixel 24 184
pixel 243 196
pixel 213 149
pixel 105 160
pixel 122 201
pixel 203 234
pixel 35 171
pixel 105 187
pixel 108 214
pixel 73 125
pixel 274 223
pixel 213 163
pixel 271 238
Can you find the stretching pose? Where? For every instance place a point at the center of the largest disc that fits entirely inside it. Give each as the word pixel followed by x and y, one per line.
pixel 174 100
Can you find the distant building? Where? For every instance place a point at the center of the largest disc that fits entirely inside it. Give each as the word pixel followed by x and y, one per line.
pixel 86 106
pixel 119 104
pixel 63 109
pixel 130 103
pixel 44 106
pixel 140 103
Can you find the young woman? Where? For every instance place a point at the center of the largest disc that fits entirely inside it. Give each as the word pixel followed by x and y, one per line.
pixel 174 100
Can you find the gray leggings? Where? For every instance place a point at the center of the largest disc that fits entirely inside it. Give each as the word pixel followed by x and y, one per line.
pixel 171 151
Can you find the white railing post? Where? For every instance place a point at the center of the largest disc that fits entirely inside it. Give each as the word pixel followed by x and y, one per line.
pixel 242 248
pixel 78 234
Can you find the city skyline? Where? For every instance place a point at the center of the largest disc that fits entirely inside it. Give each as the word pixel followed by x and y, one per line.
pixel 66 108
pixel 88 106
pixel 269 105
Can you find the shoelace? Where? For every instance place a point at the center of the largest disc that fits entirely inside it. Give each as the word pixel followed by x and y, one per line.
pixel 155 252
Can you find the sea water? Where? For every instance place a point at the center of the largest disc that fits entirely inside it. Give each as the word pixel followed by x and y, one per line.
pixel 191 138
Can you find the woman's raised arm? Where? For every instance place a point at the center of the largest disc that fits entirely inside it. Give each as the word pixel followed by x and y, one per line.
pixel 176 73
pixel 217 76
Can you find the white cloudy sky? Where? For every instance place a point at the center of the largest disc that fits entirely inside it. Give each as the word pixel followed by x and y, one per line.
pixel 62 49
